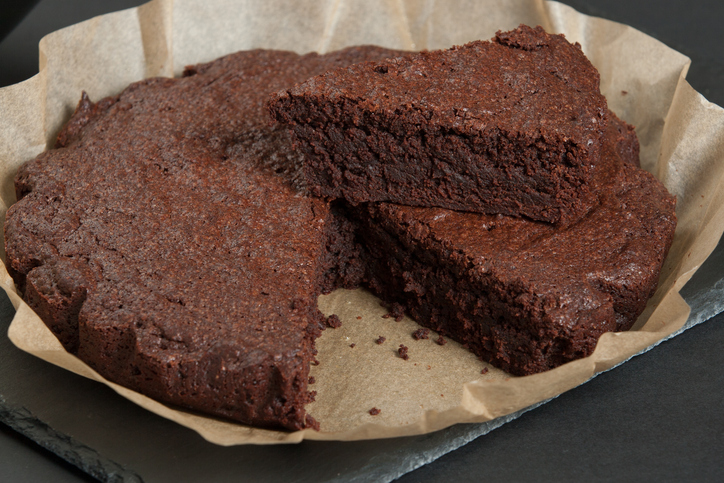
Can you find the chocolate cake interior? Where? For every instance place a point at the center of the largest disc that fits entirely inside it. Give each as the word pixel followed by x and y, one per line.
pixel 526 296
pixel 508 126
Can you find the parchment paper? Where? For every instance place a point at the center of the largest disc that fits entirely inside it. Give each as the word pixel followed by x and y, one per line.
pixel 680 134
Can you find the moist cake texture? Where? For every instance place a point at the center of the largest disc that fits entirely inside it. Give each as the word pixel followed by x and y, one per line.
pixel 166 240
pixel 523 295
pixel 509 126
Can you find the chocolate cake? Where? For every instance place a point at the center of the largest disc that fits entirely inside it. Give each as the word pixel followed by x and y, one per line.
pixel 169 240
pixel 166 240
pixel 524 295
pixel 510 126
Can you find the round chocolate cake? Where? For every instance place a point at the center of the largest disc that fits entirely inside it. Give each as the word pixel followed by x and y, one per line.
pixel 169 241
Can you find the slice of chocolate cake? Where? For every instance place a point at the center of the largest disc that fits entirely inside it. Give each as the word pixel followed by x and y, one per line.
pixel 527 296
pixel 511 126
pixel 167 243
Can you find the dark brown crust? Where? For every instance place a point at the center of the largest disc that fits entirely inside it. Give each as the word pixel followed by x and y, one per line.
pixel 524 295
pixel 511 126
pixel 168 244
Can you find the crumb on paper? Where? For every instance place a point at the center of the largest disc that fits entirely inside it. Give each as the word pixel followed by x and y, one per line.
pixel 312 380
pixel 624 92
pixel 396 311
pixel 429 367
pixel 375 411
pixel 421 333
pixel 359 317
pixel 312 396
pixel 352 345
pixel 403 351
pixel 485 370
pixel 380 340
pixel 333 321
pixel 441 340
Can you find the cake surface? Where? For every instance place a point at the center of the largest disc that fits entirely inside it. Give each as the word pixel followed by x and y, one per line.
pixel 523 295
pixel 167 243
pixel 509 126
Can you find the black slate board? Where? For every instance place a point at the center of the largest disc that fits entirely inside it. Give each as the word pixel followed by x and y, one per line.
pixel 109 437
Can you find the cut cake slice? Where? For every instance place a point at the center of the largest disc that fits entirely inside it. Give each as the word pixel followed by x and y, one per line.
pixel 523 295
pixel 511 126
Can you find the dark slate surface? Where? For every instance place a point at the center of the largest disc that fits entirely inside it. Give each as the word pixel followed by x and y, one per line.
pixel 657 417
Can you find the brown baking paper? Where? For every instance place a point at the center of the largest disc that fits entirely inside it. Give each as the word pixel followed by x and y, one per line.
pixel 681 140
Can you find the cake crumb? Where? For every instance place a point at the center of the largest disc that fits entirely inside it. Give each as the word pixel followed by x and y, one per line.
pixel 333 321
pixel 485 370
pixel 312 396
pixel 359 317
pixel 624 92
pixel 380 340
pixel 312 380
pixel 403 352
pixel 429 367
pixel 311 423
pixel 375 411
pixel 397 311
pixel 421 333
pixel 352 345
pixel 441 341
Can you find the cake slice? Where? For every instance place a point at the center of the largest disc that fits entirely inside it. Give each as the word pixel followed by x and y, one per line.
pixel 512 126
pixel 523 295
pixel 167 243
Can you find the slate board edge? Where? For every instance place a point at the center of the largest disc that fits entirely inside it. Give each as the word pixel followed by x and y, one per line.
pixel 66 447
